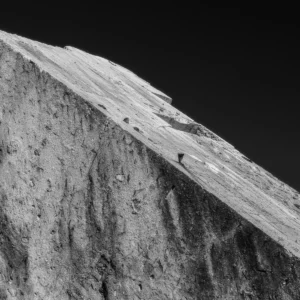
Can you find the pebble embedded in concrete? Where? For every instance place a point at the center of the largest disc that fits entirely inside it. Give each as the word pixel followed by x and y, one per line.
pixel 120 177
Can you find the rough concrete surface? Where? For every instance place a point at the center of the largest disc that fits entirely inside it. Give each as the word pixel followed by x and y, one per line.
pixel 109 192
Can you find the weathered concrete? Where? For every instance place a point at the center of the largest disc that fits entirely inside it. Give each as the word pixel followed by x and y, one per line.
pixel 94 203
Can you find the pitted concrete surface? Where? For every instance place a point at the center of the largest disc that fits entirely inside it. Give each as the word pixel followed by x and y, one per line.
pixel 96 204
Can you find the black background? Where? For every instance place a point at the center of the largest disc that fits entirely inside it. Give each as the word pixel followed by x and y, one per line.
pixel 235 70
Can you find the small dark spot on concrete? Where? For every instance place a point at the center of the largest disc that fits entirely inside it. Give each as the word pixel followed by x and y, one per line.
pixel 49 189
pixel 102 106
pixel 180 157
pixel 36 152
pixel 44 142
pixel 12 148
pixel 1 155
pixel 297 205
pixel 126 120
pixel 140 286
pixel 136 129
pixel 136 205
pixel 148 268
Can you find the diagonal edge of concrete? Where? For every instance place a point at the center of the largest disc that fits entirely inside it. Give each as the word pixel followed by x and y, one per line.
pixel 211 162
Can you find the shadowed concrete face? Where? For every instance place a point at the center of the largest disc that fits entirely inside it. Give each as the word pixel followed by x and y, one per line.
pixel 108 192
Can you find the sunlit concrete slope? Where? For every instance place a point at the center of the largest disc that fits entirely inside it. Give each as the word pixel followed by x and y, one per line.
pixel 189 150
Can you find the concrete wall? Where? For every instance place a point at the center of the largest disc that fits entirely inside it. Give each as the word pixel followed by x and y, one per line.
pixel 88 212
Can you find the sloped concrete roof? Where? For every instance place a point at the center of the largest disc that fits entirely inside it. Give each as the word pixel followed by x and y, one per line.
pixel 147 114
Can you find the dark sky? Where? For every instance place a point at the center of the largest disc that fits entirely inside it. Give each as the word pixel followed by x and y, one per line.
pixel 235 70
